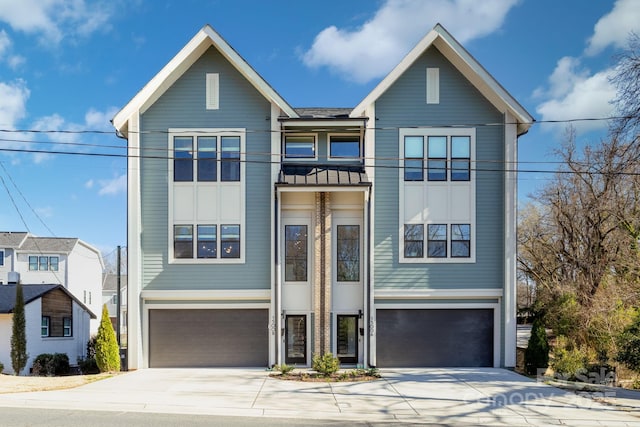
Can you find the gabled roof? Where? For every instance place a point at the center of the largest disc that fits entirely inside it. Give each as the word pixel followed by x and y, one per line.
pixel 180 63
pixel 48 244
pixel 466 64
pixel 9 239
pixel 110 282
pixel 32 293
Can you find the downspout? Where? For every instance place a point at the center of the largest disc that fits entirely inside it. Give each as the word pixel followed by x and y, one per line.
pixel 368 292
pixel 276 303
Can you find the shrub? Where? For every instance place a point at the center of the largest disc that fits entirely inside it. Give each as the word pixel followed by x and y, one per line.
pixel 1 367
pixel 569 361
pixel 284 368
pixel 19 354
pixel 536 355
pixel 48 365
pixel 88 366
pixel 629 346
pixel 107 351
pixel 326 365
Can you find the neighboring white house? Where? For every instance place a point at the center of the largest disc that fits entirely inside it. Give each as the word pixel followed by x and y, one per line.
pixel 56 322
pixel 70 262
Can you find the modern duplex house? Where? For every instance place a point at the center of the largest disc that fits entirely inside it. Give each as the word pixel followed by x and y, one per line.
pixel 260 234
pixel 69 262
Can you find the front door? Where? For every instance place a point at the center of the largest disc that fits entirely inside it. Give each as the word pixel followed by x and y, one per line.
pixel 347 337
pixel 296 339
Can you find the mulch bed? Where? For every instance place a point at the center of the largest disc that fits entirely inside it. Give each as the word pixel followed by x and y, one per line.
pixel 346 376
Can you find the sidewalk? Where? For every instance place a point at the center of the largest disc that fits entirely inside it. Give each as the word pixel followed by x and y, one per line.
pixel 444 396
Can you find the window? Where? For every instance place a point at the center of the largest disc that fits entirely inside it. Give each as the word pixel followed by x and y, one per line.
pixel 207 241
pixel 230 241
pixel 413 240
pixel 1 257
pixel 295 253
pixel 44 328
pixel 344 146
pixel 460 158
pixel 53 263
pixel 207 158
pixel 230 162
pixel 183 241
pixel 414 158
pixel 433 85
pixel 348 253
pixel 437 158
pixel 460 240
pixel 300 146
pixel 66 327
pixel 43 263
pixel 437 241
pixel 183 158
pixel 213 91
pixel 33 263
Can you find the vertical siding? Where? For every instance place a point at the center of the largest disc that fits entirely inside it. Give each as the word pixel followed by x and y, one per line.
pixel 404 105
pixel 183 106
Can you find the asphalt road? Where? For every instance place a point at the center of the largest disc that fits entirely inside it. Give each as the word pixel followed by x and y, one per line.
pixel 32 417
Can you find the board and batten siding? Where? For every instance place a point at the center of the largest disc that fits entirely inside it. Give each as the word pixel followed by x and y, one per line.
pixel 183 106
pixel 404 105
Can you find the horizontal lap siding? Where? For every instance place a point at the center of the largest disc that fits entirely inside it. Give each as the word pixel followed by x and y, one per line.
pixel 183 106
pixel 404 105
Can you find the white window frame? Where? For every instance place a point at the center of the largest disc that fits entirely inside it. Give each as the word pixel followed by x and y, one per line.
pixel 300 159
pixel 48 326
pixel 217 185
pixel 213 91
pixel 70 327
pixel 433 86
pixel 345 159
pixel 427 187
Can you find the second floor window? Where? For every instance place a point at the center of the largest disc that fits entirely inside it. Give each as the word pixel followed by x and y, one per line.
pixel 206 158
pixel 300 147
pixel 344 146
pixel 43 263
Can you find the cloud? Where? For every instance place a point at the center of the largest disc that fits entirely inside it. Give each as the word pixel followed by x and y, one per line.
pixel 574 92
pixel 53 20
pixel 613 29
pixel 100 120
pixel 13 101
pixel 113 186
pixel 395 28
pixel 5 42
pixel 44 212
pixel 88 184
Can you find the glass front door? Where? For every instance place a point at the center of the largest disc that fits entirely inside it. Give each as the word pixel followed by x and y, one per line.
pixel 347 338
pixel 296 339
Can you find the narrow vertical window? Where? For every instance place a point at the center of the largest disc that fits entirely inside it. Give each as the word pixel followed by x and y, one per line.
pixel 413 240
pixel 43 263
pixel 33 263
pixel 437 241
pixel 460 158
pixel 437 158
pixel 213 91
pixel 183 158
pixel 460 240
pixel 295 253
pixel 348 253
pixel 413 158
pixel 66 327
pixel 44 327
pixel 229 241
pixel 53 263
pixel 207 158
pixel 183 241
pixel 1 258
pixel 433 85
pixel 207 241
pixel 230 158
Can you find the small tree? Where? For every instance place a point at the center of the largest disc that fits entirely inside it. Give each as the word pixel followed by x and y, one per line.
pixel 629 346
pixel 537 353
pixel 107 351
pixel 19 354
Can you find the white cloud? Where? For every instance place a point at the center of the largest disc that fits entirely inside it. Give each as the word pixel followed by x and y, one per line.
pixel 113 186
pixel 614 28
pixel 44 212
pixel 88 184
pixel 13 100
pixel 54 20
pixel 576 93
pixel 100 120
pixel 16 61
pixel 5 42
pixel 395 28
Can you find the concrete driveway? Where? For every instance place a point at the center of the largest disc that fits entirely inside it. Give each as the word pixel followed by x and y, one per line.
pixel 442 396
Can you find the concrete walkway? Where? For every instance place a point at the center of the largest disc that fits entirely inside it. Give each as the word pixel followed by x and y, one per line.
pixel 442 396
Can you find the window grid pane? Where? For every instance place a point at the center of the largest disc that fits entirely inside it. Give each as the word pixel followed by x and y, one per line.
pixel 183 158
pixel 207 241
pixel 207 158
pixel 229 241
pixel 414 158
pixel 53 263
pixel 66 326
pixel 43 263
pixel 460 158
pixel 183 241
pixel 345 147
pixel 348 253
pixel 413 240
pixel 460 240
pixel 300 147
pixel 437 158
pixel 33 263
pixel 44 329
pixel 230 158
pixel 437 241
pixel 296 239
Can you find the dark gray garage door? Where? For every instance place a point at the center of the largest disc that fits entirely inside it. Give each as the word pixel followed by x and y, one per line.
pixel 208 338
pixel 434 338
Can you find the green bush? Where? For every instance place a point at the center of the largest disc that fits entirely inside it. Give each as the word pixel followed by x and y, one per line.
pixel 629 346
pixel 88 366
pixel 107 351
pixel 536 355
pixel 569 361
pixel 49 365
pixel 326 365
pixel 284 368
pixel 1 367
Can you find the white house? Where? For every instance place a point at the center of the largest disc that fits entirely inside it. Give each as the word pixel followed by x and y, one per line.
pixel 70 262
pixel 56 322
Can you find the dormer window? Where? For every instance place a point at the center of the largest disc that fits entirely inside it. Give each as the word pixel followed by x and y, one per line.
pixel 300 147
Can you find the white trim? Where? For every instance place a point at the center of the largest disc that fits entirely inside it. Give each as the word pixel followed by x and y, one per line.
pixel 433 86
pixel 285 158
pixel 455 293
pixel 292 188
pixel 369 200
pixel 357 125
pixel 465 63
pixel 510 241
pixel 459 305
pixel 274 269
pixel 187 56
pixel 205 295
pixel 213 91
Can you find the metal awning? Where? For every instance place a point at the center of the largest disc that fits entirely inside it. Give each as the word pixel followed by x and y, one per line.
pixel 322 175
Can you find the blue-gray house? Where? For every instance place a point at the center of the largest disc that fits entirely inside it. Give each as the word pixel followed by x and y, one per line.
pixel 262 234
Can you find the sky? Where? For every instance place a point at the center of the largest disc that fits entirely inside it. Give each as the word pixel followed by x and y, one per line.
pixel 67 66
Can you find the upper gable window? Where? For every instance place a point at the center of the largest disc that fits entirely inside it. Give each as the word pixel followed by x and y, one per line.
pixel 213 91
pixel 433 85
pixel 344 146
pixel 300 146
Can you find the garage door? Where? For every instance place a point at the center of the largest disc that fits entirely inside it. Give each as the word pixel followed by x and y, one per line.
pixel 434 338
pixel 208 338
